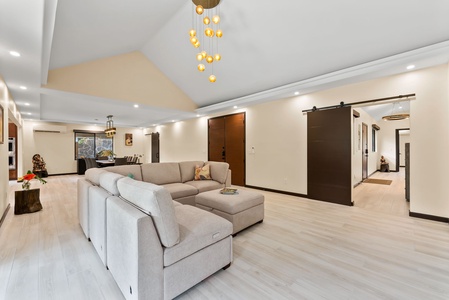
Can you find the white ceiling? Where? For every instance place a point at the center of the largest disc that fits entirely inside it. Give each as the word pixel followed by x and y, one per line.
pixel 269 49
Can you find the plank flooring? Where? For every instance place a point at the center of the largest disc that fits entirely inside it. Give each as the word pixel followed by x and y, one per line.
pixel 304 249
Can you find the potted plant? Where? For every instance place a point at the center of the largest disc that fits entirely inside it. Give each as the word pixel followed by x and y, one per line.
pixel 27 200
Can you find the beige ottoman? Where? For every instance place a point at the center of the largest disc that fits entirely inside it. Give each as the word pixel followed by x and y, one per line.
pixel 242 209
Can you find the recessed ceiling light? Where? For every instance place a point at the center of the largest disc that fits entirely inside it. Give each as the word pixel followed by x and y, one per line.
pixel 136 105
pixel 173 121
pixel 296 93
pixel 26 104
pixel 14 53
pixel 22 87
pixel 410 67
pixel 235 106
pixel 29 114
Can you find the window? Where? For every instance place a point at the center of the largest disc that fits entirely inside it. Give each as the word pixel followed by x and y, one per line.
pixel 374 137
pixel 92 144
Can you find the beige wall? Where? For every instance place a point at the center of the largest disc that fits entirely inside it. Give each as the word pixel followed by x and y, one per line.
pixel 277 131
pixel 58 149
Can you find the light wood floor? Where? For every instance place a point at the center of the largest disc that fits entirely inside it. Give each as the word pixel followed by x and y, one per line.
pixel 388 199
pixel 303 250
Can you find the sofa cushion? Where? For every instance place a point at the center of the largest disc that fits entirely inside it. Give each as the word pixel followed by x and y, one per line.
pixel 126 170
pixel 218 171
pixel 155 201
pixel 108 181
pixel 161 173
pixel 198 229
pixel 93 175
pixel 188 169
pixel 202 173
pixel 180 190
pixel 205 185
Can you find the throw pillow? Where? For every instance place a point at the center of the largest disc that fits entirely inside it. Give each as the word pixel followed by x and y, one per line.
pixel 202 173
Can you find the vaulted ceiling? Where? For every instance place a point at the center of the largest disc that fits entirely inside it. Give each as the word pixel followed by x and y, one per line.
pixel 84 59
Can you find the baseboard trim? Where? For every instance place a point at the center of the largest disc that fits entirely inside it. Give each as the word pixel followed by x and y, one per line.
pixel 62 174
pixel 277 191
pixel 4 214
pixel 428 217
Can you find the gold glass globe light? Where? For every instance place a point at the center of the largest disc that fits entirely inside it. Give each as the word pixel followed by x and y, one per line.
pixel 204 54
pixel 201 67
pixel 216 19
pixel 212 78
pixel 209 59
pixel 206 20
pixel 194 40
pixel 217 57
pixel 197 44
pixel 199 9
pixel 209 32
pixel 199 57
pixel 219 33
pixel 192 32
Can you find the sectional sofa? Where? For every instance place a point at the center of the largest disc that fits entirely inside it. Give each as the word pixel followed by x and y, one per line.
pixel 155 247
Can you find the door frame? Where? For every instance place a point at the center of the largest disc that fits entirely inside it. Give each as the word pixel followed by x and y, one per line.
pixel 397 147
pixel 365 152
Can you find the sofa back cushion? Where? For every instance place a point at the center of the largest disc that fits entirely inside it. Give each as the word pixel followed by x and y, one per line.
pixel 155 201
pixel 161 173
pixel 218 171
pixel 188 169
pixel 108 181
pixel 93 175
pixel 133 171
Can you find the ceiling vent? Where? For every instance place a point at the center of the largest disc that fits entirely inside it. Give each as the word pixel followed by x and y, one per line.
pixel 50 128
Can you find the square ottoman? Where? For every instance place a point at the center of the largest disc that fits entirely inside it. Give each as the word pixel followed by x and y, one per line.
pixel 242 209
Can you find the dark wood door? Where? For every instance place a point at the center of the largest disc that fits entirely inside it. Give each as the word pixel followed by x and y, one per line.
pixel 227 144
pixel 155 147
pixel 407 171
pixel 329 155
pixel 217 150
pixel 235 147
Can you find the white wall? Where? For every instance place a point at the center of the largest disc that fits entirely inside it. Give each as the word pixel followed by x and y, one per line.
pixel 278 133
pixel 387 138
pixel 357 152
pixel 58 149
pixel 11 114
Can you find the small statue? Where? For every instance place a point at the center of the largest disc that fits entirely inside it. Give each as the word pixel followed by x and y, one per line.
pixel 384 166
pixel 39 166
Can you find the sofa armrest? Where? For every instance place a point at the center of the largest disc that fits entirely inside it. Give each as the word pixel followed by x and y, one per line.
pixel 228 179
pixel 135 254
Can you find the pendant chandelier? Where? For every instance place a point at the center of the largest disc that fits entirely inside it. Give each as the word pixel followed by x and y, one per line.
pixel 205 34
pixel 110 129
pixel 396 116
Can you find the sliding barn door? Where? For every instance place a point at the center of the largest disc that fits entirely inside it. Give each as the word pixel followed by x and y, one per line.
pixel 329 155
pixel 227 144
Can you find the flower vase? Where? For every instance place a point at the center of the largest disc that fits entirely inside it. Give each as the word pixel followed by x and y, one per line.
pixel 27 201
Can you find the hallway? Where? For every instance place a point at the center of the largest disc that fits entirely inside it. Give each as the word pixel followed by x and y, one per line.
pixel 389 199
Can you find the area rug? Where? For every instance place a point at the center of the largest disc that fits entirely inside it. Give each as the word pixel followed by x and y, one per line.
pixel 378 181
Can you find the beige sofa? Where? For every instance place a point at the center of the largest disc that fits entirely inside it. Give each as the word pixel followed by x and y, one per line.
pixel 178 178
pixel 128 229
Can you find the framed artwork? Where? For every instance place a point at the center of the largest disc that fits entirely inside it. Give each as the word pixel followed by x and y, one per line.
pixel 2 130
pixel 128 139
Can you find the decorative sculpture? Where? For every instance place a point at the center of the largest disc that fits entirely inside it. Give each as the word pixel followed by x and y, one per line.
pixel 39 166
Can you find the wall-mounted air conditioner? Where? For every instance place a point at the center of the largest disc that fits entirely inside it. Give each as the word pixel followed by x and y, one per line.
pixel 50 128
